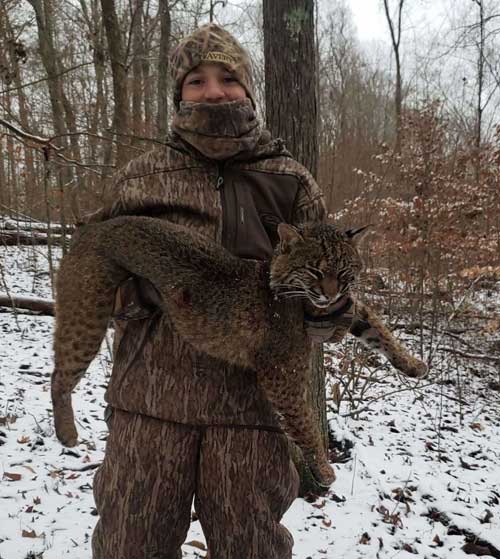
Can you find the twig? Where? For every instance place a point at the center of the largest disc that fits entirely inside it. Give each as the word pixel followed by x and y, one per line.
pixel 381 397
pixel 480 356
pixel 451 317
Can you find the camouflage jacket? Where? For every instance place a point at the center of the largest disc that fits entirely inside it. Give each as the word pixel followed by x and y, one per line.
pixel 237 203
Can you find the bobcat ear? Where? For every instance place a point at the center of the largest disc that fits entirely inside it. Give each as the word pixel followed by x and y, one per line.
pixel 288 235
pixel 357 234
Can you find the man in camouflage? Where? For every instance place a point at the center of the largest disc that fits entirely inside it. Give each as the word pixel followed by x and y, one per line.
pixel 183 425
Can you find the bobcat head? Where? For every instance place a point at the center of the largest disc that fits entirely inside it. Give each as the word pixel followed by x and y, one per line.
pixel 316 261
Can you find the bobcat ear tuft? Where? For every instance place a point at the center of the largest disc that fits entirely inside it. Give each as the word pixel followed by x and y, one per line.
pixel 288 235
pixel 358 233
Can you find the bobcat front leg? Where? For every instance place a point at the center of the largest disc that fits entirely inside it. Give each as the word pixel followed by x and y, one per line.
pixel 368 327
pixel 289 398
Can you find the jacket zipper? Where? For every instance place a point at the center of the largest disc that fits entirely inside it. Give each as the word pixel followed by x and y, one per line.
pixel 220 176
pixel 229 208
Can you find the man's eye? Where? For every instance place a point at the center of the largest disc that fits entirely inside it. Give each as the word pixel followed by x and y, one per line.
pixel 230 79
pixel 194 81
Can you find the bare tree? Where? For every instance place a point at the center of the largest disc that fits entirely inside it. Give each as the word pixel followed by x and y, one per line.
pixel 290 66
pixel 291 113
pixel 395 30
pixel 163 67
pixel 114 35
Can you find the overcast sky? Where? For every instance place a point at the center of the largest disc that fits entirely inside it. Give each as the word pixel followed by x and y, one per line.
pixel 369 16
pixel 369 19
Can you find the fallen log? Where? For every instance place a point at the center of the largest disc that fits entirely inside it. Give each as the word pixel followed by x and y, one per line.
pixel 14 238
pixel 38 226
pixel 43 306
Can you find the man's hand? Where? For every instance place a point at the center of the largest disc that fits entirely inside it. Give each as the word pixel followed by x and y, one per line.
pixel 136 299
pixel 333 325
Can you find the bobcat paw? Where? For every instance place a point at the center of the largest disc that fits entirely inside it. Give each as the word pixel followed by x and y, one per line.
pixel 67 435
pixel 417 369
pixel 64 424
pixel 323 473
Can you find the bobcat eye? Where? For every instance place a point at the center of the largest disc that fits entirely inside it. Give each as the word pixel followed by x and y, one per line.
pixel 345 277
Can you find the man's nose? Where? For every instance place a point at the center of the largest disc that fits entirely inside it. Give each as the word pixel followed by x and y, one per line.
pixel 213 90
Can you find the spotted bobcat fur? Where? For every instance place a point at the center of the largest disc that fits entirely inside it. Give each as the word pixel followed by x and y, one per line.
pixel 220 304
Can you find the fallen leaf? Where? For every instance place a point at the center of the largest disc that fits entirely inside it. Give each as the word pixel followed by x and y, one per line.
pixel 29 534
pixel 319 505
pixel 472 548
pixel 476 426
pixel 73 476
pixel 7 419
pixel 437 540
pixel 487 517
pixel 23 440
pixel 365 538
pixel 56 473
pixel 336 394
pixel 197 544
pixel 12 476
pixel 327 522
pixel 37 500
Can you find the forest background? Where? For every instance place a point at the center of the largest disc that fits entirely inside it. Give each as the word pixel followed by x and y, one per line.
pixel 408 130
pixel 408 134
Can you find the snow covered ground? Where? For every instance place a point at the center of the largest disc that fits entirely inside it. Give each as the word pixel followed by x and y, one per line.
pixel 423 476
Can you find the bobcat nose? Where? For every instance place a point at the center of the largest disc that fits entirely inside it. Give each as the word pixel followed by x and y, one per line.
pixel 330 288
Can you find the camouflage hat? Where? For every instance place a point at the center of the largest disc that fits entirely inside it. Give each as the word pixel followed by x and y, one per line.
pixel 211 43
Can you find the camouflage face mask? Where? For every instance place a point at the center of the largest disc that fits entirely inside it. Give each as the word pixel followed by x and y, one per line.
pixel 218 130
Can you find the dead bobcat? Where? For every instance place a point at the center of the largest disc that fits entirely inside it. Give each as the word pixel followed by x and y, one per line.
pixel 220 304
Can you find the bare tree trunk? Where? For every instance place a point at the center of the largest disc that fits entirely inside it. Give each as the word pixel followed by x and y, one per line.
pixel 291 113
pixel 3 182
pixel 396 44
pixel 99 118
pixel 480 85
pixel 290 64
pixel 30 180
pixel 163 68
pixel 146 80
pixel 49 56
pixel 138 53
pixel 119 71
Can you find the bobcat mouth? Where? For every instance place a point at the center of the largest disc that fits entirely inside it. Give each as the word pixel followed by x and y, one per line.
pixel 321 301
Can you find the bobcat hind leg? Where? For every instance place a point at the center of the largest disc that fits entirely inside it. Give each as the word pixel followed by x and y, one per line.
pixel 84 304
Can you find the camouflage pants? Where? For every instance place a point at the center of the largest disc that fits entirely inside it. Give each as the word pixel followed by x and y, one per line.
pixel 242 481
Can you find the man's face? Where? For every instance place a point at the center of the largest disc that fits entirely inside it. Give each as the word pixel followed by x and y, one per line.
pixel 211 83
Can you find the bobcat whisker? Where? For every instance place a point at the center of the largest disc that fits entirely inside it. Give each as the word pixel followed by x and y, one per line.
pixel 290 294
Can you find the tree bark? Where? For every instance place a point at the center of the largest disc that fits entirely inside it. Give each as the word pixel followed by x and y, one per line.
pixel 292 114
pixel 396 43
pixel 119 72
pixel 138 53
pixel 163 68
pixel 290 67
